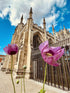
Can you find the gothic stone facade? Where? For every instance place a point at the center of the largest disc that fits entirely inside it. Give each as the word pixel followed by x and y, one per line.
pixel 27 37
pixel 63 34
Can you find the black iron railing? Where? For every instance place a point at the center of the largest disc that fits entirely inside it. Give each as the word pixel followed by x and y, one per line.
pixel 56 76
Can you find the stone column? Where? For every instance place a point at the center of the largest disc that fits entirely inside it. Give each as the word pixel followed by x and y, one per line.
pixel 7 66
pixel 17 66
pixel 44 27
pixel 28 56
pixel 24 38
pixel 4 64
pixel 29 24
pixel 35 69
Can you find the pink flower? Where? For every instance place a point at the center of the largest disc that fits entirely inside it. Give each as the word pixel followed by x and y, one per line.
pixel 11 49
pixel 51 54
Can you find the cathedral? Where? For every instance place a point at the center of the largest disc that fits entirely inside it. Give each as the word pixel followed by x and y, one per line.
pixel 28 38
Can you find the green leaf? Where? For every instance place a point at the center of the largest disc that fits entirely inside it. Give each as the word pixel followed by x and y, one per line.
pixel 42 91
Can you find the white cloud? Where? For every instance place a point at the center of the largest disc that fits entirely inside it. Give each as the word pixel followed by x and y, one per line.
pixel 51 19
pixel 64 12
pixel 69 29
pixel 41 8
pixel 61 3
pixel 62 18
pixel 4 12
pixel 4 4
pixel 2 53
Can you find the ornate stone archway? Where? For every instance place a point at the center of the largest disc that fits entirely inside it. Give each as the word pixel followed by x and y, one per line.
pixel 50 41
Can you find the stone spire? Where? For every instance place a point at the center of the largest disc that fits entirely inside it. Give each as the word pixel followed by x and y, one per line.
pixel 65 31
pixel 21 19
pixel 53 29
pixel 30 13
pixel 54 34
pixel 44 28
pixel 64 27
pixel 44 23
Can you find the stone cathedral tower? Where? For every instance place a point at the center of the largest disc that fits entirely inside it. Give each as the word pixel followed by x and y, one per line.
pixel 28 38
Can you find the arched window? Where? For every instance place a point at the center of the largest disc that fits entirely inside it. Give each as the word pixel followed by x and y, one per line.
pixel 64 51
pixel 36 41
pixel 50 41
pixel 67 49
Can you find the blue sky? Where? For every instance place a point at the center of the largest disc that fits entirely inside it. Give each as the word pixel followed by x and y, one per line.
pixel 56 12
pixel 6 32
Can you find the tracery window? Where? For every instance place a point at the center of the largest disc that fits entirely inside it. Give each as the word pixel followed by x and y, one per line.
pixel 67 50
pixel 50 41
pixel 36 41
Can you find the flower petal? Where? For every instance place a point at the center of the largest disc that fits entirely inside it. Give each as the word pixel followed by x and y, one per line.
pixel 11 49
pixel 56 53
pixel 55 49
pixel 6 49
pixel 59 54
pixel 43 45
pixel 45 50
pixel 50 60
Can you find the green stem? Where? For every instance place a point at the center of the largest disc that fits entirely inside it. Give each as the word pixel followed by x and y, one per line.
pixel 21 85
pixel 24 80
pixel 44 76
pixel 12 73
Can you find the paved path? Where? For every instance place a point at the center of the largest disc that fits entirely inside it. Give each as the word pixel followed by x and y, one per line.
pixel 31 85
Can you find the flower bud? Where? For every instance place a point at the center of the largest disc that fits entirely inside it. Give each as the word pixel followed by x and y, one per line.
pixel 17 82
pixel 24 67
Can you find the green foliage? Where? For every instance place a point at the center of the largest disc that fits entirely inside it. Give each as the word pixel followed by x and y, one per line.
pixel 42 91
pixel 24 67
pixel 17 82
